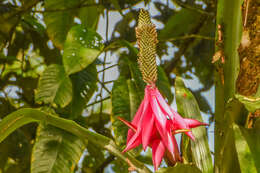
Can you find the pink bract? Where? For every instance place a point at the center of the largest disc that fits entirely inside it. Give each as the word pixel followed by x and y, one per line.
pixel 155 124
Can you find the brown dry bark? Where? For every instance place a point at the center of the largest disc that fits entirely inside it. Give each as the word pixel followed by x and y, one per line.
pixel 249 50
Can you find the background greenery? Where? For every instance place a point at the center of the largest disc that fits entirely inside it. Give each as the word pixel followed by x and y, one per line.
pixel 68 61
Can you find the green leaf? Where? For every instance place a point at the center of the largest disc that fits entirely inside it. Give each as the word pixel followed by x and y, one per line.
pixel 120 107
pixel 16 147
pixel 251 103
pixel 174 26
pixel 94 158
pixel 55 151
pixel 180 168
pixel 89 16
pixel 84 85
pixel 125 102
pixel 54 86
pixel 163 84
pixel 247 143
pixel 81 48
pixel 188 108
pixel 59 20
pixel 27 115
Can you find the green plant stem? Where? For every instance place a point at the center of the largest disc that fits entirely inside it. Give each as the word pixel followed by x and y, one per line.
pixel 28 115
pixel 227 109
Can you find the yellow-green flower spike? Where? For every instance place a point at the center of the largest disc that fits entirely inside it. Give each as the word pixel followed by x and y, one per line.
pixel 146 36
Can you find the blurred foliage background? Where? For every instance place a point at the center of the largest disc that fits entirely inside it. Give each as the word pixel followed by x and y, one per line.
pixel 76 59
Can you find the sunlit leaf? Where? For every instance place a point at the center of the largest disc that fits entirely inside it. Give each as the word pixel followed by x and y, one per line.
pixel 251 103
pixel 28 115
pixel 247 142
pixel 188 108
pixel 81 48
pixel 54 86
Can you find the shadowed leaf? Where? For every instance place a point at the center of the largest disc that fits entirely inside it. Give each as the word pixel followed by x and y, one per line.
pixel 59 22
pixel 55 151
pixel 54 86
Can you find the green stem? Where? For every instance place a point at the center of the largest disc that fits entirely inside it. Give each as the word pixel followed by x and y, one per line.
pixel 227 109
pixel 27 115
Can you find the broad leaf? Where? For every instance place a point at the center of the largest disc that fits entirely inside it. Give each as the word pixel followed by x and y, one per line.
pixel 247 143
pixel 27 115
pixel 81 48
pixel 180 168
pixel 124 104
pixel 54 86
pixel 188 108
pixel 174 26
pixel 59 21
pixel 55 151
pixel 84 85
pixel 89 16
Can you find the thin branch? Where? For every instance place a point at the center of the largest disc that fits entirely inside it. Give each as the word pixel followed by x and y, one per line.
pixel 110 81
pixel 107 68
pixel 105 163
pixel 103 86
pixel 98 101
pixel 190 36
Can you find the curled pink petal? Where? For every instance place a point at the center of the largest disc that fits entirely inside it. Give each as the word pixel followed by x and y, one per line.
pixel 158 150
pixel 135 121
pixel 148 122
pixel 194 123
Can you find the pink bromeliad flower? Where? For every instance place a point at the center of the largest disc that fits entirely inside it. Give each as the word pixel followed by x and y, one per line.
pixel 155 124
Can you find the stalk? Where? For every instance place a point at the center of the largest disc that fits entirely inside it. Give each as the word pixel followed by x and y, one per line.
pixel 227 109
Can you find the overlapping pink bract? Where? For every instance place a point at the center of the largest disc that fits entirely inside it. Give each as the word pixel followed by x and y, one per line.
pixel 155 124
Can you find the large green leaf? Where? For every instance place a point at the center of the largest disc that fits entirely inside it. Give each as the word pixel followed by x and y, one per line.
pixel 81 48
pixel 188 108
pixel 180 168
pixel 55 151
pixel 124 104
pixel 174 26
pixel 89 16
pixel 58 20
pixel 84 85
pixel 247 143
pixel 27 115
pixel 54 86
